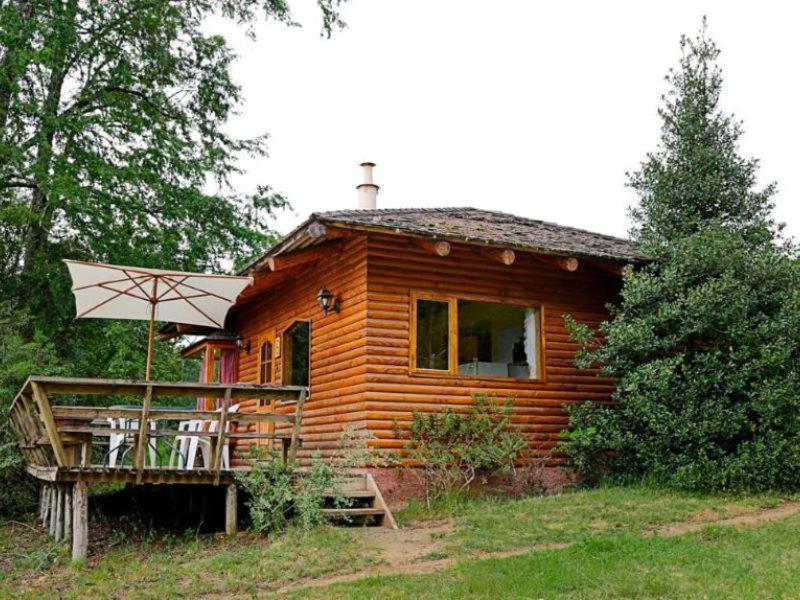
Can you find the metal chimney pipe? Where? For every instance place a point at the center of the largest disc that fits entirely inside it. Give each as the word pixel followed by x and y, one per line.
pixel 367 191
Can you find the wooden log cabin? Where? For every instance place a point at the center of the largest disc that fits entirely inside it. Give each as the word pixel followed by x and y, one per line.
pixel 385 312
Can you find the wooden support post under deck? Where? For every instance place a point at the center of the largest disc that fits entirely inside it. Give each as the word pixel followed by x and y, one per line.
pixel 43 404
pixel 223 425
pixel 298 417
pixel 144 427
pixel 53 509
pixel 231 516
pixel 68 511
pixel 80 521
pixel 59 532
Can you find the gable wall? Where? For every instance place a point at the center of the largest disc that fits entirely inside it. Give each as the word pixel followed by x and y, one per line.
pixel 338 341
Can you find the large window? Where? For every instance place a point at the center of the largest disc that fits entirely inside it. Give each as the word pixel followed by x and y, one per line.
pixel 297 354
pixel 481 339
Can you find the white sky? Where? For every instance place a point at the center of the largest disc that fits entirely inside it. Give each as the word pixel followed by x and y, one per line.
pixel 527 107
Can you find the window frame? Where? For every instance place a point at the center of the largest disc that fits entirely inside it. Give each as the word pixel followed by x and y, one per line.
pixel 283 350
pixel 266 339
pixel 452 348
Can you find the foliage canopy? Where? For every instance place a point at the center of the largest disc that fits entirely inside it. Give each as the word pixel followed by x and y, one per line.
pixel 703 344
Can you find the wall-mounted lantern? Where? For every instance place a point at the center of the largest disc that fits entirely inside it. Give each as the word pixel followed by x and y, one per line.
pixel 327 301
pixel 243 344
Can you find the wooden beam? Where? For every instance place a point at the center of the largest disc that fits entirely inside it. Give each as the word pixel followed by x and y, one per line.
pixel 125 387
pixel 298 418
pixel 231 506
pixel 438 247
pixel 504 256
pixel 565 263
pixel 301 257
pixel 223 424
pixel 80 521
pixel 40 396
pixel 92 413
pixel 144 428
pixel 608 266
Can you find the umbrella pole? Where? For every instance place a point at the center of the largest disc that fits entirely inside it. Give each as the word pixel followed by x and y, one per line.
pixel 150 340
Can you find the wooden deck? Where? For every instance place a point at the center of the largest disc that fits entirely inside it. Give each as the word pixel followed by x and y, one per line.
pixel 59 443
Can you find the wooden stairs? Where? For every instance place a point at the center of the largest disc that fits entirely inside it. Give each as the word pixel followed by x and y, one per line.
pixel 365 504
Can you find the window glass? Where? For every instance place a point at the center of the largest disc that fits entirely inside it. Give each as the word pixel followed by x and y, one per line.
pixel 265 363
pixel 433 335
pixel 497 340
pixel 296 354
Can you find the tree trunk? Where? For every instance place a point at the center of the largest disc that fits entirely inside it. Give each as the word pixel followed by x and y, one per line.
pixel 41 209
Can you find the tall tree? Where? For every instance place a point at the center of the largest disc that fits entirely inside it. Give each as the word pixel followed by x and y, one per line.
pixel 112 138
pixel 697 176
pixel 704 342
pixel 113 147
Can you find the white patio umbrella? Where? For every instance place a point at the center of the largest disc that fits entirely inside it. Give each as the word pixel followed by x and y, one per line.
pixel 116 292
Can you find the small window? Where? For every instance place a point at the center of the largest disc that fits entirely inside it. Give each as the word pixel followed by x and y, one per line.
pixel 265 363
pixel 497 340
pixel 297 354
pixel 433 335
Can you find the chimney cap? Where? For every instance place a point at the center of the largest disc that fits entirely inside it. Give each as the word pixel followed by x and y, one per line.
pixel 367 164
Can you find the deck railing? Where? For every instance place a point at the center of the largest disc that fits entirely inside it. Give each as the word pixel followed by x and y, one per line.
pixel 57 441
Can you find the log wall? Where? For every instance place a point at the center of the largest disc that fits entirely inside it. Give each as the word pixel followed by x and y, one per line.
pixel 397 268
pixel 338 340
pixel 360 357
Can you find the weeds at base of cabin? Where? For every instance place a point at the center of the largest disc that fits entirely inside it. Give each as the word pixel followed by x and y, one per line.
pixel 280 492
pixel 454 449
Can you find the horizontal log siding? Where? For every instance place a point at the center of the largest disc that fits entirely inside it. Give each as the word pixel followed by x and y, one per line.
pixel 338 342
pixel 396 268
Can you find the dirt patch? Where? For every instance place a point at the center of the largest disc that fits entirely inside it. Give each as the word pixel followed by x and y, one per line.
pixel 766 515
pixel 407 545
pixel 416 550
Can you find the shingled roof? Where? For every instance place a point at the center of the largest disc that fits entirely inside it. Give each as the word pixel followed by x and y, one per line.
pixel 463 224
pixel 490 227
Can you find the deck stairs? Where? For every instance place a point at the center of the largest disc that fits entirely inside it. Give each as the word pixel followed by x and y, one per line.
pixel 365 505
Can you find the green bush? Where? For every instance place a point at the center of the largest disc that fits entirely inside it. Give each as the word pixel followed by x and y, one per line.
pixel 454 448
pixel 280 493
pixel 705 351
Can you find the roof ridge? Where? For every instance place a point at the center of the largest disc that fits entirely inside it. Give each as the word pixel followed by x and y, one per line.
pixel 446 209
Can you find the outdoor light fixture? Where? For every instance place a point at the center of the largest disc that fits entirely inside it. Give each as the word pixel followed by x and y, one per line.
pixel 243 344
pixel 327 301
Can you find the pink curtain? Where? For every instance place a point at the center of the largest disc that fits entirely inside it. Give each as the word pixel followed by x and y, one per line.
pixel 227 369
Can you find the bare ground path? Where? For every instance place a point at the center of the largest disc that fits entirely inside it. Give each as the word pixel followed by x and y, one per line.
pixel 413 550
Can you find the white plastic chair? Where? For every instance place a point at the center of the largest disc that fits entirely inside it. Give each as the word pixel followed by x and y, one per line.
pixel 181 444
pixel 205 442
pixel 127 440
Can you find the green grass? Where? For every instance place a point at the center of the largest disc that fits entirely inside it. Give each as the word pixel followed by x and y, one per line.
pixel 491 526
pixel 718 562
pixel 608 557
pixel 206 565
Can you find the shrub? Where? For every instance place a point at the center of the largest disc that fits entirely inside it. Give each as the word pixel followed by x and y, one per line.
pixel 704 349
pixel 454 448
pixel 280 492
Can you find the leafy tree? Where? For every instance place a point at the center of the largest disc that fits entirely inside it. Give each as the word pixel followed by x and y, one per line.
pixel 112 138
pixel 113 147
pixel 704 344
pixel 697 176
